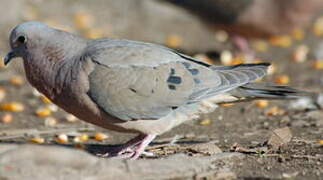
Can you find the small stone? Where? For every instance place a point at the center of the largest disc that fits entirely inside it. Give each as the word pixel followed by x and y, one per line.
pixel 280 137
pixel 302 104
pixel 205 148
pixel 221 36
pixel 52 107
pixel 226 57
pixel 285 119
pixel 300 123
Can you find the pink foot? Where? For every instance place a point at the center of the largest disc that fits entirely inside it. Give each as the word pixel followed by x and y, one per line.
pixel 132 149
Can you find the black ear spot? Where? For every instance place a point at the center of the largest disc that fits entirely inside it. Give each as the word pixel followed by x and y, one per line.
pixel 21 39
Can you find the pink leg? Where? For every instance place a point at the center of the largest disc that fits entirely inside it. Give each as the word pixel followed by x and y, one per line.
pixel 132 149
pixel 242 45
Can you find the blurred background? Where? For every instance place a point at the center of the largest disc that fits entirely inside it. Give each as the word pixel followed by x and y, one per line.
pixel 286 33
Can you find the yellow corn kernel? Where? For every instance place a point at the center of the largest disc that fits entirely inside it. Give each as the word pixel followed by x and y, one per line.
pixel 298 34
pixel 205 122
pixel 260 45
pixel 93 33
pixel 50 122
pixel 70 118
pixel 281 41
pixel 38 140
pixel 62 138
pixel 274 111
pixel 6 118
pixel 226 57
pixel 237 60
pixel 282 79
pixel 173 41
pixel 226 104
pixel 320 142
pixel 16 80
pixel 204 58
pixel 318 64
pixel 45 100
pixel 83 20
pixel 318 27
pixel 100 136
pixel 12 106
pixel 262 103
pixel 43 112
pixel 299 55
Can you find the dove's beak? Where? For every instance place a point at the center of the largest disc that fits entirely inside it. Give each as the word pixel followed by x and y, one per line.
pixel 8 57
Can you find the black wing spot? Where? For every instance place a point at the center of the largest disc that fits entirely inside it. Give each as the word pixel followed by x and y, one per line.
pixel 133 90
pixel 194 71
pixel 171 87
pixel 172 71
pixel 197 81
pixel 174 80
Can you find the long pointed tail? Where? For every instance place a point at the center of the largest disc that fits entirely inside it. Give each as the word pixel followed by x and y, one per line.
pixel 268 91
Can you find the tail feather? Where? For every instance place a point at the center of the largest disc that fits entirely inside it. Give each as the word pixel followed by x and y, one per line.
pixel 268 91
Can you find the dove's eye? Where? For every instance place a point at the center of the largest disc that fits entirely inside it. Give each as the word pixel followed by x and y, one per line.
pixel 21 39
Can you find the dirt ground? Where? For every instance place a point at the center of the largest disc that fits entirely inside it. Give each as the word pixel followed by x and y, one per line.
pixel 244 124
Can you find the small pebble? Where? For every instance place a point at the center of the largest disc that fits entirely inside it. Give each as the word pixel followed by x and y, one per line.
pixel 221 36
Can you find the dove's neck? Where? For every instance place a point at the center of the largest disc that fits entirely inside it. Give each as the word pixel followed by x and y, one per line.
pixel 51 68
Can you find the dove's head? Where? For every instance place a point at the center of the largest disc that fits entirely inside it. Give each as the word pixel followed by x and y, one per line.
pixel 33 36
pixel 24 36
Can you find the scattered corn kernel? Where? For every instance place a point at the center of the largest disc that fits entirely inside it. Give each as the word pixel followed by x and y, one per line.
pixel 93 33
pixel 61 138
pixel 38 140
pixel 204 58
pixel 318 27
pixel 2 63
pixel 299 55
pixel 100 136
pixel 227 104
pixel 50 122
pixel 226 57
pixel 83 20
pixel 318 64
pixel 260 45
pixel 70 118
pixel 262 103
pixel 238 60
pixel 221 36
pixel 6 118
pixel 12 106
pixel 320 141
pixel 281 41
pixel 16 80
pixel 271 69
pixel 173 41
pixel 36 92
pixel 45 99
pixel 274 111
pixel 84 137
pixel 2 94
pixel 205 122
pixel 52 107
pixel 298 34
pixel 43 112
pixel 282 79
